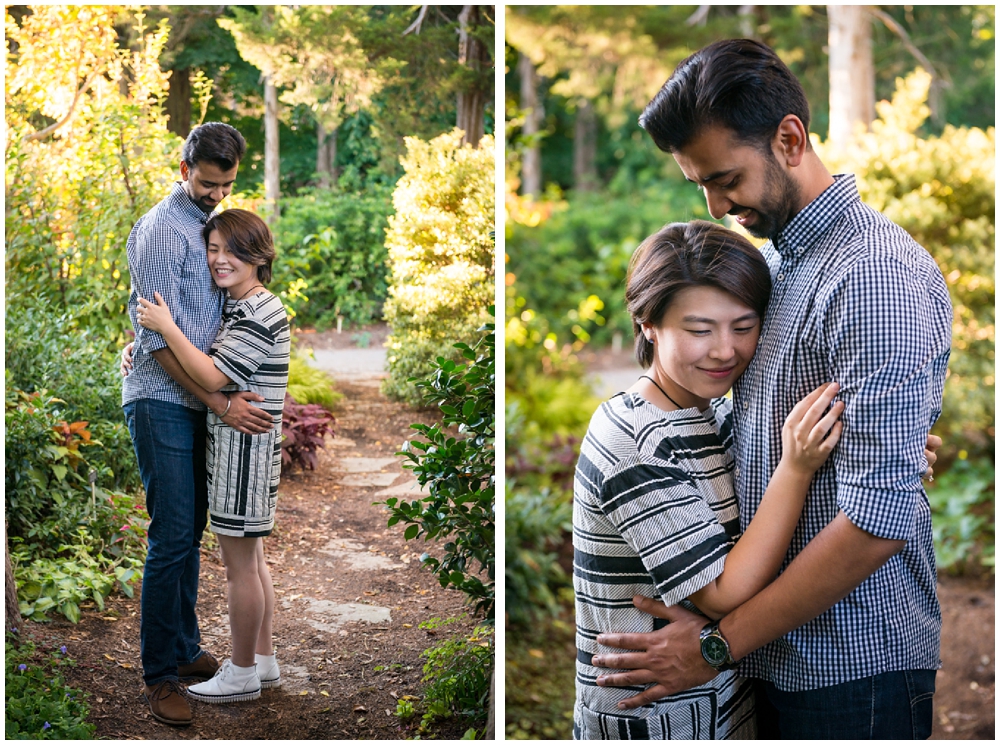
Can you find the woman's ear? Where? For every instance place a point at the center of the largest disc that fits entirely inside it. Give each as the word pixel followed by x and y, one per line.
pixel 647 331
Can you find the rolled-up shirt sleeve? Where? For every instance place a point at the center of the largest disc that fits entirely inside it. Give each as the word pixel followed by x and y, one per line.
pixel 157 266
pixel 886 346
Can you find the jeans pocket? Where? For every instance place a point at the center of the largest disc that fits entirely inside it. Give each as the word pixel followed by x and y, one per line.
pixel 920 688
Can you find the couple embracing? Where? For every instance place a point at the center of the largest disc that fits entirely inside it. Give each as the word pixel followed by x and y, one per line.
pixel 762 566
pixel 209 336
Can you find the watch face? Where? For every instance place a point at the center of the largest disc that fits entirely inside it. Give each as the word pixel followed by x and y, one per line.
pixel 714 650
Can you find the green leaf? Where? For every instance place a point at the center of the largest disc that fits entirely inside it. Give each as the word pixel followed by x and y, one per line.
pixel 411 532
pixel 71 610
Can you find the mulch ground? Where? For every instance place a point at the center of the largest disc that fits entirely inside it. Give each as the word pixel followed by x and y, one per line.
pixel 341 683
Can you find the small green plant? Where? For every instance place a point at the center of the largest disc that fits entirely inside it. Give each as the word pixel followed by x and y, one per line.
pixel 458 475
pixel 37 702
pixel 310 385
pixel 962 515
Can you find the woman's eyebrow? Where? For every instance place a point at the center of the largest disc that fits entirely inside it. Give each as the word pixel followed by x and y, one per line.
pixel 699 319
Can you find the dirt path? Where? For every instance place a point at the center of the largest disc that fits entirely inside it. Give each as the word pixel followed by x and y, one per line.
pixel 964 704
pixel 351 596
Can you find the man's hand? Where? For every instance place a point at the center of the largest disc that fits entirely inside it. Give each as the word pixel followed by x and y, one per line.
pixel 930 452
pixel 245 417
pixel 126 365
pixel 671 657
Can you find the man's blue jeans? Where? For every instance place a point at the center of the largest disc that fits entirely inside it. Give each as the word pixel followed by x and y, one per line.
pixel 169 441
pixel 896 705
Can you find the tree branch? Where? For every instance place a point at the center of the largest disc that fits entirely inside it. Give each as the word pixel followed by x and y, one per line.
pixel 415 26
pixel 699 17
pixel 895 28
pixel 42 134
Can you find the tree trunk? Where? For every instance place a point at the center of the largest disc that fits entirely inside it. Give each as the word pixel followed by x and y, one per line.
pixel 179 102
pixel 473 54
pixel 12 612
pixel 326 156
pixel 491 731
pixel 271 162
pixel 852 71
pixel 585 148
pixel 531 163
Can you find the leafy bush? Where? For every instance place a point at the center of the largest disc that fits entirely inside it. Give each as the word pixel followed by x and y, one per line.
pixel 304 428
pixel 941 190
pixel 962 515
pixel 458 474
pixel 441 255
pixel 310 385
pixel 74 194
pixel 331 246
pixel 38 705
pixel 535 524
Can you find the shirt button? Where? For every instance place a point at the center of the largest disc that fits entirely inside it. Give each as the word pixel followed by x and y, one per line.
pixel 781 277
pixel 746 404
pixel 736 471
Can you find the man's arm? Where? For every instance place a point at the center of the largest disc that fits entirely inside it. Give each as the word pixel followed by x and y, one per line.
pixel 828 569
pixel 242 415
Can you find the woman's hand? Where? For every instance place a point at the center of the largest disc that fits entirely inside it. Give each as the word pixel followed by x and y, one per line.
pixel 812 430
pixel 154 317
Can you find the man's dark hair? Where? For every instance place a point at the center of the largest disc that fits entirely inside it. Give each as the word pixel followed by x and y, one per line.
pixel 740 84
pixel 216 143
pixel 691 254
pixel 247 236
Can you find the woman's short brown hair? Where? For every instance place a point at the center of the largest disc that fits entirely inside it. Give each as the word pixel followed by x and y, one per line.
pixel 691 254
pixel 247 236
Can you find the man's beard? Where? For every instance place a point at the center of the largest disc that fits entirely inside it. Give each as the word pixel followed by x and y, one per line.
pixel 777 206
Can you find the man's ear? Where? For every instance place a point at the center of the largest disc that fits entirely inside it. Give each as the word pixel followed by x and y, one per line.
pixel 185 171
pixel 791 141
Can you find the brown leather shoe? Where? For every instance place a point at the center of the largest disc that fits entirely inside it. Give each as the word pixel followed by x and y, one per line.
pixel 167 702
pixel 203 668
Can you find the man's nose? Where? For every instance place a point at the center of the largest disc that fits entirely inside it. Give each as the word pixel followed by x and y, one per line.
pixel 718 205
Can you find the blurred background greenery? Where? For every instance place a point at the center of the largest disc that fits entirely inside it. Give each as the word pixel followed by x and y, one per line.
pixel 585 185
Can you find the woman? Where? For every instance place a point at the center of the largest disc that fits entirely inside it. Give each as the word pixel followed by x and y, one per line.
pixel 251 352
pixel 654 511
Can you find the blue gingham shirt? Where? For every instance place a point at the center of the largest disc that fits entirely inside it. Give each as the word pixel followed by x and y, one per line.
pixel 166 254
pixel 857 301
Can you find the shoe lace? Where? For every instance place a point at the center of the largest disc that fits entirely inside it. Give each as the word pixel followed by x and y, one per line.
pixel 166 688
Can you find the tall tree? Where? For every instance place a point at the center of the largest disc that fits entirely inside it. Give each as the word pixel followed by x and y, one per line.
pixel 852 72
pixel 531 158
pixel 473 55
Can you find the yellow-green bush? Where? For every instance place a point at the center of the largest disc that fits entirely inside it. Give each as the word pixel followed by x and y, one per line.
pixel 941 190
pixel 441 255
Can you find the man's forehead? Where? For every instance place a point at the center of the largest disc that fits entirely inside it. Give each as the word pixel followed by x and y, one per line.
pixel 713 153
pixel 208 171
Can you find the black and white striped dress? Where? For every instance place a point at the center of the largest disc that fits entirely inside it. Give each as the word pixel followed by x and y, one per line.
pixel 252 349
pixel 654 513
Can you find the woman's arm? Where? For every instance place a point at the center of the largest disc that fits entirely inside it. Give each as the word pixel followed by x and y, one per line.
pixel 754 561
pixel 197 364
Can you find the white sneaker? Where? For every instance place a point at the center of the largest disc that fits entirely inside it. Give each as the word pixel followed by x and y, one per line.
pixel 267 671
pixel 231 683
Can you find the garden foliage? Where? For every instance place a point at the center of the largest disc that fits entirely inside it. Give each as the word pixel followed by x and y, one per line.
pixel 456 469
pixel 38 705
pixel 440 254
pixel 304 429
pixel 332 255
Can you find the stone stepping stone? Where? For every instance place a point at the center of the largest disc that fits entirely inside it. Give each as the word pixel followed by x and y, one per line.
pixel 366 465
pixel 356 556
pixel 368 479
pixel 409 489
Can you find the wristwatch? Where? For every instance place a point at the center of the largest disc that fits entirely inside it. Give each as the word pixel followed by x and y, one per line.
pixel 715 648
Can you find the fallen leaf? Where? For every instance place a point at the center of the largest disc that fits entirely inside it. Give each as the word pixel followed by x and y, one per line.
pixel 303 693
pixel 100 700
pixel 324 693
pixel 537 653
pixel 110 657
pixel 359 707
pixel 393 694
pixel 126 665
pixel 108 618
pixel 407 625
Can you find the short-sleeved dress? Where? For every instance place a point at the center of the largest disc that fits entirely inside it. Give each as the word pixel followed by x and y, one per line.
pixel 252 349
pixel 654 514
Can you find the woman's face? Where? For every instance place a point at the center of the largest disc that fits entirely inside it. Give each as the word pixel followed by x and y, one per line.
pixel 704 342
pixel 227 270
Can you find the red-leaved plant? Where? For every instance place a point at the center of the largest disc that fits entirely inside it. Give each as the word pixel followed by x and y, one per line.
pixel 304 426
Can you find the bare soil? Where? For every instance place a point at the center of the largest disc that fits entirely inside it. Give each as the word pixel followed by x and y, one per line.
pixel 341 678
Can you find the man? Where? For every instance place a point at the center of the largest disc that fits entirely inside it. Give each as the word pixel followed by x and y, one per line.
pixel 165 412
pixel 845 642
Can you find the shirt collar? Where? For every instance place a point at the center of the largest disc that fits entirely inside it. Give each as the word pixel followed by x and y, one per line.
pixel 186 205
pixel 816 218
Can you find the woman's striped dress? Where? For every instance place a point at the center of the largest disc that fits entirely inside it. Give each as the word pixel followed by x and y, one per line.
pixel 252 349
pixel 654 514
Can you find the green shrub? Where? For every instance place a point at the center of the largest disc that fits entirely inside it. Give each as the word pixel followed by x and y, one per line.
pixel 38 705
pixel 535 524
pixel 441 255
pixel 941 190
pixel 962 515
pixel 457 472
pixel 331 247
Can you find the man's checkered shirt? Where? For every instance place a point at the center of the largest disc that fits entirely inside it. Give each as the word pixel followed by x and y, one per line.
pixel 857 301
pixel 166 254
